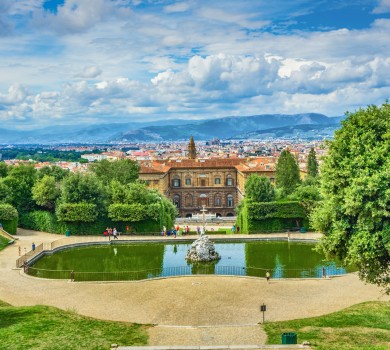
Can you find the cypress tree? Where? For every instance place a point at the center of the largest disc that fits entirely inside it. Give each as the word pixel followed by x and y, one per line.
pixel 287 173
pixel 312 164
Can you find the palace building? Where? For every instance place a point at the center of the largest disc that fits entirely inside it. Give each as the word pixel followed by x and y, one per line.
pixel 219 184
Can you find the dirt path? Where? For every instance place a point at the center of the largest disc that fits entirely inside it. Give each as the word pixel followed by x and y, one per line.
pixel 228 306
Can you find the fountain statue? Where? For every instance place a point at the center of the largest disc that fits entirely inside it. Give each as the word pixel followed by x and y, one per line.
pixel 202 250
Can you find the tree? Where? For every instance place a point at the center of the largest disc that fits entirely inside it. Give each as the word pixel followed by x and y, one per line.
pixel 259 189
pixel 124 171
pixel 3 169
pixel 312 164
pixel 287 173
pixel 20 180
pixel 45 192
pixel 354 215
pixel 55 171
pixel 84 188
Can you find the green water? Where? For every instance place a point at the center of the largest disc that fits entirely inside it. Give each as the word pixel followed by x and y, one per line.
pixel 145 260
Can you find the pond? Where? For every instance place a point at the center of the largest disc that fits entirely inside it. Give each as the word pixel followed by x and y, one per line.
pixel 138 261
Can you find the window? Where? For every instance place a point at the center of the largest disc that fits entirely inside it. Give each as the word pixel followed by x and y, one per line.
pixel 189 201
pixel 203 183
pixel 217 201
pixel 176 201
pixel 229 181
pixel 188 182
pixel 176 183
pixel 217 181
pixel 229 200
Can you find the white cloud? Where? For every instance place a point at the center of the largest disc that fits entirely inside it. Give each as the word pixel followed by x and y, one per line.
pixel 383 7
pixel 177 7
pixel 79 15
pixel 90 72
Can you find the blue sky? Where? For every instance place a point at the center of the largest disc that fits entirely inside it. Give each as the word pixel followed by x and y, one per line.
pixel 104 61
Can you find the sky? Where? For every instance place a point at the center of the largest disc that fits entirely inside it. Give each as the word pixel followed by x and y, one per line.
pixel 112 61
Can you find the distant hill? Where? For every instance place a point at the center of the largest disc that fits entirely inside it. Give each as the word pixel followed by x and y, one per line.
pixel 304 131
pixel 177 129
pixel 225 128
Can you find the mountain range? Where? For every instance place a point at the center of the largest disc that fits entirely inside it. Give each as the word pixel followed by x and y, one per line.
pixel 304 126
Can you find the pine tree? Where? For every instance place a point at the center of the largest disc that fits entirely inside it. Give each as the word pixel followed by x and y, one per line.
pixel 287 173
pixel 312 164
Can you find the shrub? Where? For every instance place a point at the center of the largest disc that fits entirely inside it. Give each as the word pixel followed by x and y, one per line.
pixel 9 218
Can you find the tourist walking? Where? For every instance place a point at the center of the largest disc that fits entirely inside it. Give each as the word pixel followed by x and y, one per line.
pixel 115 233
pixel 33 246
pixel 267 276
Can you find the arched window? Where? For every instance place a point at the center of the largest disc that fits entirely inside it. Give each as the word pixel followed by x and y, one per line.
pixel 217 201
pixel 189 201
pixel 229 200
pixel 217 181
pixel 176 200
pixel 176 182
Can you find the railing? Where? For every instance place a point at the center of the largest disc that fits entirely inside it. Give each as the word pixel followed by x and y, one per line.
pixel 276 273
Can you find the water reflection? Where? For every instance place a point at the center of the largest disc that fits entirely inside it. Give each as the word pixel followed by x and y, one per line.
pixel 146 260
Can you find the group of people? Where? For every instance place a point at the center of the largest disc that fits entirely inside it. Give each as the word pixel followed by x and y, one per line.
pixel 174 231
pixel 111 232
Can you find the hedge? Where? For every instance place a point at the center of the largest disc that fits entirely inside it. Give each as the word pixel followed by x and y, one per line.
pixel 271 216
pixel 9 218
pixel 77 212
pixel 41 220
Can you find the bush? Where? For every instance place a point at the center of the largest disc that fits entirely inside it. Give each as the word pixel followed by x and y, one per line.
pixel 41 220
pixel 270 216
pixel 9 218
pixel 77 212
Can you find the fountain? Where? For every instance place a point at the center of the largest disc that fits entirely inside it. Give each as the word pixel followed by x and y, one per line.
pixel 202 250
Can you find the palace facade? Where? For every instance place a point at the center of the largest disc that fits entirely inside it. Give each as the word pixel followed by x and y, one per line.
pixel 219 184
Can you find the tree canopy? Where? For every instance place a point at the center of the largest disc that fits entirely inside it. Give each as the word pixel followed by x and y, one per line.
pixel 312 164
pixel 355 213
pixel 259 189
pixel 124 171
pixel 287 173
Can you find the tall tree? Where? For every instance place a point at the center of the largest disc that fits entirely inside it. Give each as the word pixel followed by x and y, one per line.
pixel 259 189
pixel 45 192
pixel 124 171
pixel 20 180
pixel 354 215
pixel 312 164
pixel 287 173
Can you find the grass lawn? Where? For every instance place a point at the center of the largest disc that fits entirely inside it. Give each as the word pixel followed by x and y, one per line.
pixel 3 242
pixel 45 327
pixel 362 326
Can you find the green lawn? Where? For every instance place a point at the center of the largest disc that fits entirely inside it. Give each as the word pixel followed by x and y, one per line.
pixel 3 242
pixel 362 326
pixel 44 327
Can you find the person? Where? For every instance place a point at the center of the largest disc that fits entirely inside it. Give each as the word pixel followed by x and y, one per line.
pixel 238 229
pixel 187 230
pixel 324 272
pixel 115 233
pixel 174 232
pixel 33 246
pixel 198 230
pixel 233 228
pixel 268 276
pixel 105 232
pixel 1 226
pixel 165 230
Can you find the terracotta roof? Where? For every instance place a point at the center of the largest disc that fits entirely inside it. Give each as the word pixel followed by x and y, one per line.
pixel 241 164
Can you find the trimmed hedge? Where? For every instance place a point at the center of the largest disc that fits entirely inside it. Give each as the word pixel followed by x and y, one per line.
pixel 271 216
pixel 77 212
pixel 41 220
pixel 9 218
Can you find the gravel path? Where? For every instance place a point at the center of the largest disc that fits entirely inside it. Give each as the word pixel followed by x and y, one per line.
pixel 195 310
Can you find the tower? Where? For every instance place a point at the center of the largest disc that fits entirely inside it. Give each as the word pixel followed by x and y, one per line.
pixel 191 149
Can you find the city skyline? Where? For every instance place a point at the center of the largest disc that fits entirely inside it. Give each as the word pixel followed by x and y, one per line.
pixel 104 61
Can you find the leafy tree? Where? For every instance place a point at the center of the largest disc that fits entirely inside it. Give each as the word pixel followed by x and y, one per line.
pixel 3 169
pixel 287 173
pixel 124 171
pixel 355 177
pixel 20 180
pixel 46 191
pixel 259 189
pixel 84 188
pixel 54 171
pixel 312 164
